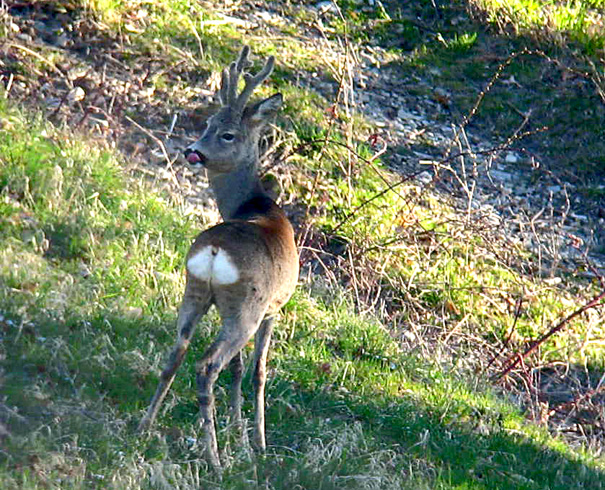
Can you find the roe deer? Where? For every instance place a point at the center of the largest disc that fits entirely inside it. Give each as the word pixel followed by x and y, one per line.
pixel 246 266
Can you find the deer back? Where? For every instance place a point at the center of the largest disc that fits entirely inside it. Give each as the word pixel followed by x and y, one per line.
pixel 252 255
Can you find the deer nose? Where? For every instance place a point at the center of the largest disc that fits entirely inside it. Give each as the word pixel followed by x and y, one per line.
pixel 194 157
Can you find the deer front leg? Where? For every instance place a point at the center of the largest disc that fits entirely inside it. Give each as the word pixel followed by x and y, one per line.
pixel 189 314
pixel 261 348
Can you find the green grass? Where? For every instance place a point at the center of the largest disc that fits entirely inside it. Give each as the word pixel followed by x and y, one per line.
pixel 577 21
pixel 86 323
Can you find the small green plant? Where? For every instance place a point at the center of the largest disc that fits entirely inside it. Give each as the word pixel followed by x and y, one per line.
pixel 461 43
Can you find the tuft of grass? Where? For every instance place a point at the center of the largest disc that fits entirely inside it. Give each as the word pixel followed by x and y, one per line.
pixel 66 210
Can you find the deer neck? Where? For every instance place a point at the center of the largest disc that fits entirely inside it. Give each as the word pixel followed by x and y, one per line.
pixel 232 190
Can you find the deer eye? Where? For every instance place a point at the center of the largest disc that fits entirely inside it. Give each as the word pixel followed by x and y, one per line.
pixel 228 136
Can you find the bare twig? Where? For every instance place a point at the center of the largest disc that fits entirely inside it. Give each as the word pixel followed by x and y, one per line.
pixel 157 140
pixel 510 333
pixel 384 191
pixel 41 58
pixel 515 359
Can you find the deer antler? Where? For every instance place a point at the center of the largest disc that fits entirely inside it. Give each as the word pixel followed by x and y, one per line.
pixel 254 81
pixel 230 77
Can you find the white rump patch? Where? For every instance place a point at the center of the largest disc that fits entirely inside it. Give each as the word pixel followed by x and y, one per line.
pixel 213 265
pixel 223 269
pixel 200 265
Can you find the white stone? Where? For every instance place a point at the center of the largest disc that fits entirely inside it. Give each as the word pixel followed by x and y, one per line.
pixel 323 7
pixel 511 158
pixel 76 94
pixel 424 177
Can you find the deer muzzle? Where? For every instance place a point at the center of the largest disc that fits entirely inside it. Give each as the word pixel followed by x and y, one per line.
pixel 194 157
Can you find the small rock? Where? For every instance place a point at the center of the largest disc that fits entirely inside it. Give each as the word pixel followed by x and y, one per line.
pixel 24 37
pixel 323 7
pixel 76 94
pixel 52 102
pixel 579 217
pixel 511 158
pixel 402 113
pixel 62 41
pixel 501 175
pixel 424 177
pixel 272 19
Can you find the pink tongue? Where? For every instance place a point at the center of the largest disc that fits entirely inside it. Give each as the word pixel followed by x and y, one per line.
pixel 193 158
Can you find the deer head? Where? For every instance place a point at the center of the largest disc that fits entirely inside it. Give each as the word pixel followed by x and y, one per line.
pixel 230 140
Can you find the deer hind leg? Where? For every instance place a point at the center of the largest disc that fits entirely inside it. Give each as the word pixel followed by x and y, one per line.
pixel 231 340
pixel 192 309
pixel 237 371
pixel 261 349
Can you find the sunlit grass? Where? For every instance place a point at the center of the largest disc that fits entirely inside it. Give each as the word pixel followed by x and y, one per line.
pixel 581 21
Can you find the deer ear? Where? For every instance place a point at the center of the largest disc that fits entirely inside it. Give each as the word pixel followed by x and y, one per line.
pixel 261 112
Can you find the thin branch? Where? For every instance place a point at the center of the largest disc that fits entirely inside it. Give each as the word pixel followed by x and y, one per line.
pixel 160 143
pixel 42 59
pixel 515 359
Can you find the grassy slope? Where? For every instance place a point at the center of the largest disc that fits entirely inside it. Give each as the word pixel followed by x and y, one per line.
pixel 91 270
pixel 85 322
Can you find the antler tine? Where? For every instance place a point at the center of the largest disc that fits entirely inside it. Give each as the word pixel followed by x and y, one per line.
pixel 233 78
pixel 230 76
pixel 254 81
pixel 224 89
pixel 242 61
